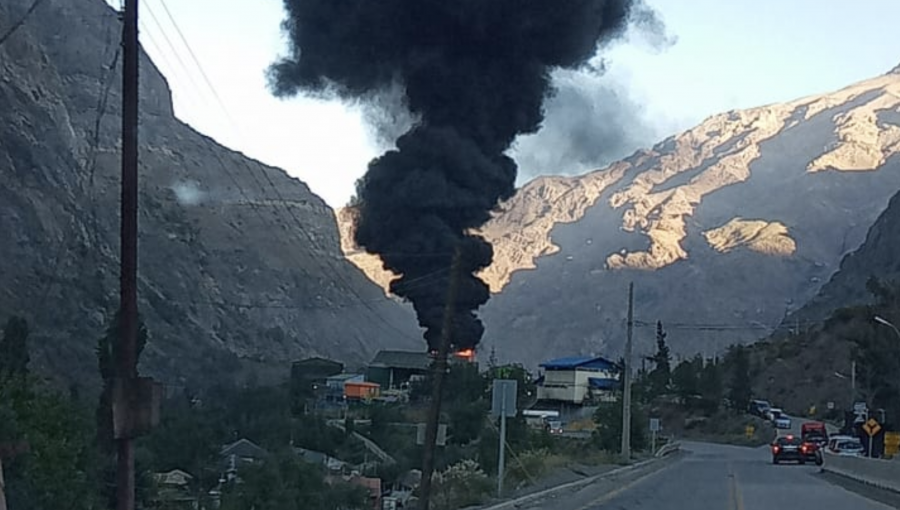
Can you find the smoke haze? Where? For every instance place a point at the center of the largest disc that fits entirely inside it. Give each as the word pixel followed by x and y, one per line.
pixel 475 75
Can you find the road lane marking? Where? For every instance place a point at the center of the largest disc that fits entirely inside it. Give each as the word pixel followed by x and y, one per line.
pixel 735 498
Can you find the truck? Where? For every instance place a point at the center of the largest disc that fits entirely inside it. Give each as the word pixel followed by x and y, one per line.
pixel 814 432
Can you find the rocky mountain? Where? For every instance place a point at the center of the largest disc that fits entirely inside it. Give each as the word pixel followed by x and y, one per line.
pixel 797 365
pixel 724 229
pixel 877 257
pixel 239 264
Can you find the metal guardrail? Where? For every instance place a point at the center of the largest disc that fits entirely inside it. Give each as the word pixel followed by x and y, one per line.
pixel 668 448
pixel 884 474
pixel 577 484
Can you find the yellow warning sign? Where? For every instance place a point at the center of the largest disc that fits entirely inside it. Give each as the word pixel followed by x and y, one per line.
pixel 872 427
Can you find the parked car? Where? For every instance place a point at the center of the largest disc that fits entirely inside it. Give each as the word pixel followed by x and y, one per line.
pixel 846 446
pixel 773 412
pixel 759 407
pixel 782 422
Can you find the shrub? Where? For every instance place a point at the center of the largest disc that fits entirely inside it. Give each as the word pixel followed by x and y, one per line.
pixel 460 485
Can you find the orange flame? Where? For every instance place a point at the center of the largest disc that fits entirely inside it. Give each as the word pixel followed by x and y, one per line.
pixel 469 354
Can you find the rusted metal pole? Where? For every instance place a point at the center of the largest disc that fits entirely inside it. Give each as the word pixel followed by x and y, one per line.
pixel 127 345
pixel 440 369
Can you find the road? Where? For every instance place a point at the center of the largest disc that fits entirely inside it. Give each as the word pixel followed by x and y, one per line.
pixel 716 477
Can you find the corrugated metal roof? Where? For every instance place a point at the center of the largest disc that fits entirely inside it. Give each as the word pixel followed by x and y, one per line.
pixel 603 383
pixel 402 359
pixel 344 377
pixel 244 448
pixel 573 362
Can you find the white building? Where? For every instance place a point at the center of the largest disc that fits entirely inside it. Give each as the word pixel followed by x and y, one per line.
pixel 576 379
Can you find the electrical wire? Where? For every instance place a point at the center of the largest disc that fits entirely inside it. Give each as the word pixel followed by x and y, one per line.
pixel 17 25
pixel 336 272
pixel 106 86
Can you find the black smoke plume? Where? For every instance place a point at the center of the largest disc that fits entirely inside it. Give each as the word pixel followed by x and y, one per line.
pixel 475 74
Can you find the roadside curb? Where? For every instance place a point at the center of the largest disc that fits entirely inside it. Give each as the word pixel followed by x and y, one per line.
pixel 577 484
pixel 859 478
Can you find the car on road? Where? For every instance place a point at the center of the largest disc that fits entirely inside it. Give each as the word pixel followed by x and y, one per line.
pixel 814 432
pixel 773 413
pixel 759 407
pixel 782 422
pixel 791 448
pixel 555 427
pixel 845 446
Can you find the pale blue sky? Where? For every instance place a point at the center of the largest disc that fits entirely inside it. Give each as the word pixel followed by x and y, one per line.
pixel 729 54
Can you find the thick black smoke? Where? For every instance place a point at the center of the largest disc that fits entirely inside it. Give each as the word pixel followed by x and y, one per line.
pixel 475 73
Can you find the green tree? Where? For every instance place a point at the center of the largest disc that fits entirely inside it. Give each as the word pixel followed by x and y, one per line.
pixel 710 387
pixel 285 482
pixel 686 380
pixel 661 376
pixel 58 470
pixel 14 356
pixel 739 389
pixel 608 434
pixel 106 365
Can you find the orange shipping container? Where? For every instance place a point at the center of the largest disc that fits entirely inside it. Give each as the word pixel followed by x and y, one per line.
pixel 362 390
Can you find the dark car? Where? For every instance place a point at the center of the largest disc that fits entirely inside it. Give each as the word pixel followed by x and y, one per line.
pixel 792 448
pixel 759 407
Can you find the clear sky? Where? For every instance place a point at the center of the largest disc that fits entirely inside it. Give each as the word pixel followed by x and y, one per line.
pixel 728 54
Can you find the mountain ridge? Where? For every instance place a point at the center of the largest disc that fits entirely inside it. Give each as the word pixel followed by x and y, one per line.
pixel 782 191
pixel 240 268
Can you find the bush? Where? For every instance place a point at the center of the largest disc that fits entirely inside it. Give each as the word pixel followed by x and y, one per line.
pixel 460 485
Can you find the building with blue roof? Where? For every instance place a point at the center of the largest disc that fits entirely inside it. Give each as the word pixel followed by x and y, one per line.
pixel 578 379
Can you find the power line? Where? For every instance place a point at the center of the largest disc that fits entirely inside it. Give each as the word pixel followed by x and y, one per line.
pixel 18 24
pixel 106 86
pixel 335 271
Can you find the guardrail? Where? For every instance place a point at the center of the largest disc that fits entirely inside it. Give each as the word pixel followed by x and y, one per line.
pixel 884 474
pixel 666 449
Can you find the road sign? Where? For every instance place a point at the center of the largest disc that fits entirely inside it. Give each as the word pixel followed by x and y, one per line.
pixel 749 430
pixel 860 407
pixel 654 425
pixel 831 406
pixel 441 434
pixel 872 427
pixel 503 398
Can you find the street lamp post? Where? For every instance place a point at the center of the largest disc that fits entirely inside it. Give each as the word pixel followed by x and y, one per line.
pixel 887 323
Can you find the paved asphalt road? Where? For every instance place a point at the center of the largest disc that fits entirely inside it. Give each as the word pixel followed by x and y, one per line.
pixel 718 477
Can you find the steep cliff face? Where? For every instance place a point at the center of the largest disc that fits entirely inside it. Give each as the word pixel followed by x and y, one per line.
pixel 877 257
pixel 724 228
pixel 239 264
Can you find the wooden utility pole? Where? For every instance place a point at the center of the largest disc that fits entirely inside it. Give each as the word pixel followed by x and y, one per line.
pixel 126 351
pixel 626 379
pixel 440 369
pixel 2 487
pixel 9 450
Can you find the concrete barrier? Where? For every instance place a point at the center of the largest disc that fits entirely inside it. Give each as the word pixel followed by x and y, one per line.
pixel 884 474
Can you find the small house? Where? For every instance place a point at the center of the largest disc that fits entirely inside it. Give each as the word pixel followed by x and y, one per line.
pixel 576 379
pixel 240 453
pixel 396 369
pixel 362 390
